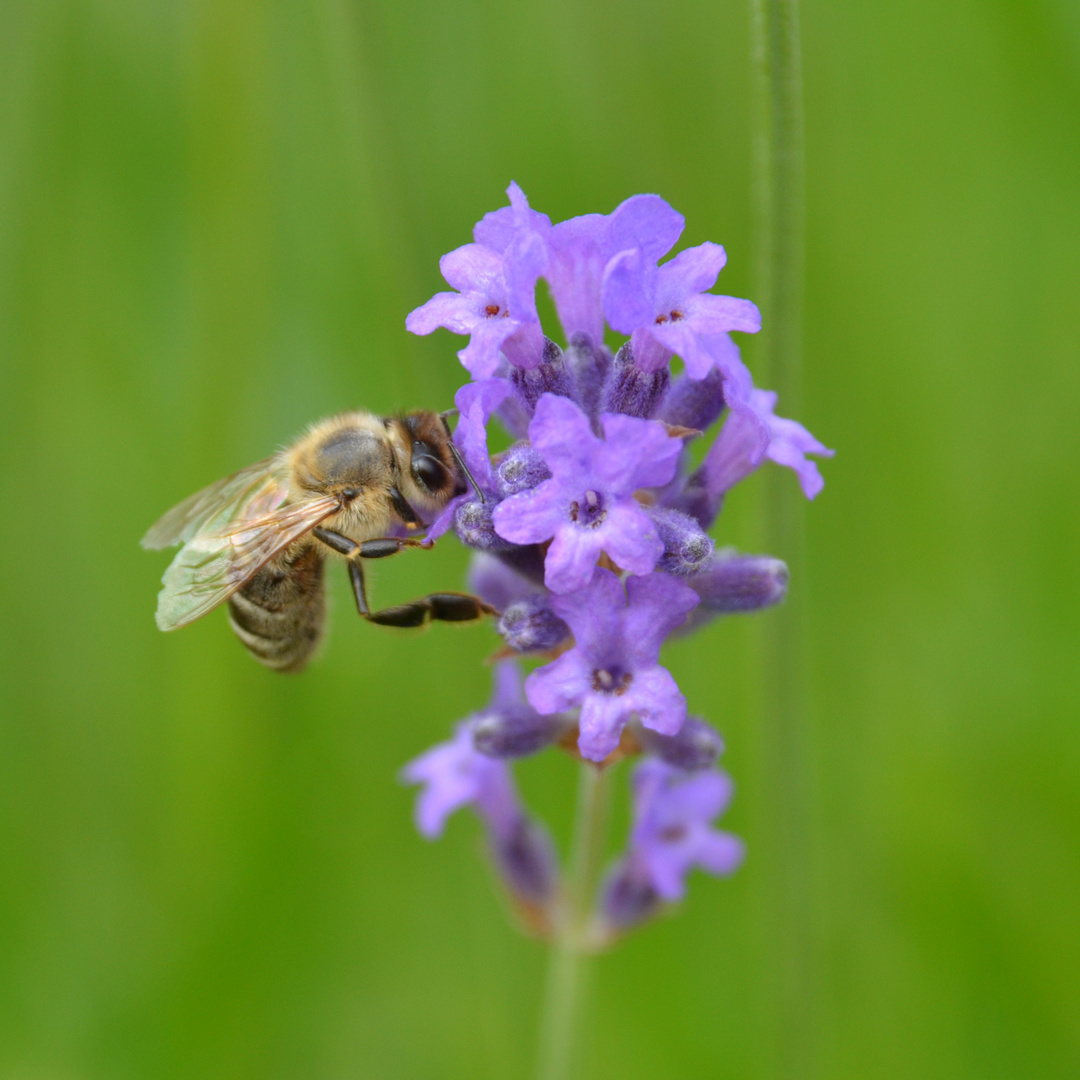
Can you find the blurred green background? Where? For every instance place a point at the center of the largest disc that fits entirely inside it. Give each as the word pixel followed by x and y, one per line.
pixel 214 217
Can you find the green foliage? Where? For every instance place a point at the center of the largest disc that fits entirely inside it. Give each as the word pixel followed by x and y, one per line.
pixel 213 220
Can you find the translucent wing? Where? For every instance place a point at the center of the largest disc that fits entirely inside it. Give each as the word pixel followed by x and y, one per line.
pixel 212 565
pixel 251 492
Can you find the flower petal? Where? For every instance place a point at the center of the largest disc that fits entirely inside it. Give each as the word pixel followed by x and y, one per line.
pixel 683 339
pixel 562 433
pixel 630 538
pixel 694 270
pixel 595 615
pixel 627 291
pixel 657 603
pixel 636 453
pixel 474 268
pixel 531 516
pixel 656 698
pixel 646 222
pixel 559 685
pixel 571 559
pixel 603 717
pixel 448 309
pixel 481 356
pixel 719 853
pixel 712 314
pixel 578 252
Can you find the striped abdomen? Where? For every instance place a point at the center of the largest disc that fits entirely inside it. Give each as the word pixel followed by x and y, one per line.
pixel 279 613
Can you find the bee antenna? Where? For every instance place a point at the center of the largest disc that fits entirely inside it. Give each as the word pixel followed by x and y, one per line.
pixel 465 469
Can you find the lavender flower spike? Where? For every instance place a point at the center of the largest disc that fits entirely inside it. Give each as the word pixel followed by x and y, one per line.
pixel 673 812
pixel 612 672
pixel 588 505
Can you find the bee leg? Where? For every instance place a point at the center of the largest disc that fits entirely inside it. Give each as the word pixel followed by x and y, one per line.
pixel 336 542
pixel 356 576
pixel 389 545
pixel 369 549
pixel 446 607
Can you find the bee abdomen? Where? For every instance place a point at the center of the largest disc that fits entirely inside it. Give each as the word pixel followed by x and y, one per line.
pixel 279 614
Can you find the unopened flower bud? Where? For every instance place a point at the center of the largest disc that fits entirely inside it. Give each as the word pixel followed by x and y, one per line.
pixel 550 376
pixel 632 391
pixel 526 860
pixel 530 625
pixel 687 549
pixel 734 583
pixel 628 899
pixel 472 523
pixel 521 468
pixel 514 731
pixel 694 403
pixel 589 364
pixel 696 746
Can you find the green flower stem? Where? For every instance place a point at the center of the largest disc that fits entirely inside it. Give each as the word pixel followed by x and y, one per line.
pixel 566 992
pixel 779 213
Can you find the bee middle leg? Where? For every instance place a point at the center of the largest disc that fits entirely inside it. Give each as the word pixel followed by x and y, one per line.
pixel 369 549
pixel 445 607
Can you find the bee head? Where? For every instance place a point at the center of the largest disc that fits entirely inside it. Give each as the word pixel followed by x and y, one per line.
pixel 432 469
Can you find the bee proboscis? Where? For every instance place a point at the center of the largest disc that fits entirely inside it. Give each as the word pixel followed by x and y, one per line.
pixel 259 538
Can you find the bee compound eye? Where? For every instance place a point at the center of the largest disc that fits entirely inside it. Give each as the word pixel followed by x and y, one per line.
pixel 429 472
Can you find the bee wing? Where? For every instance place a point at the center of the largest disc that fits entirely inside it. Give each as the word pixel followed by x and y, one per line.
pixel 212 565
pixel 251 492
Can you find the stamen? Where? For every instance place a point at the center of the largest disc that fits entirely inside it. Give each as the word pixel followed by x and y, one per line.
pixel 604 682
pixel 491 310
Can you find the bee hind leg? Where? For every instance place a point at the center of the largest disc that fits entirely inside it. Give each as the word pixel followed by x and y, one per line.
pixel 445 607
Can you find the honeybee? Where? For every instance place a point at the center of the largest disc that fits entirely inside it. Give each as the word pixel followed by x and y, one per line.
pixel 259 538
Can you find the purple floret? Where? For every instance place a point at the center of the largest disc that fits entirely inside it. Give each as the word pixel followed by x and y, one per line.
pixel 673 814
pixel 455 774
pixel 588 506
pixel 750 436
pixel 495 302
pixel 667 310
pixel 612 672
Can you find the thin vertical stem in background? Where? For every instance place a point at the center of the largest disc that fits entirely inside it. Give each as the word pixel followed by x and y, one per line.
pixel 779 226
pixel 565 995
